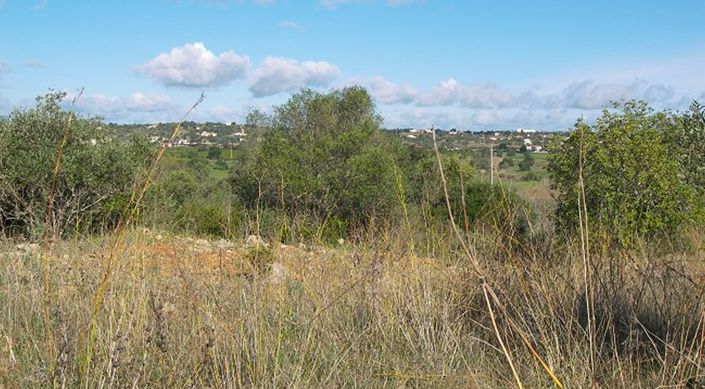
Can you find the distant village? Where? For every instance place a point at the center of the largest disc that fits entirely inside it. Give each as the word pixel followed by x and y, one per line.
pixel 228 135
pixel 519 139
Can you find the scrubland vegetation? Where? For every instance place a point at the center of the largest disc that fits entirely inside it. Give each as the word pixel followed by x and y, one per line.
pixel 325 252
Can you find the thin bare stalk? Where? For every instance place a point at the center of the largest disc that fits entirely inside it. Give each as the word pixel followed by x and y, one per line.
pixel 473 260
pixel 51 362
pixel 585 251
pixel 117 240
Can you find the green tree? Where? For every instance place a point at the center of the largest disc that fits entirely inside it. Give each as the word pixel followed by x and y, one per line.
pixel 214 153
pixel 506 163
pixel 686 136
pixel 633 186
pixel 527 163
pixel 325 157
pixel 96 178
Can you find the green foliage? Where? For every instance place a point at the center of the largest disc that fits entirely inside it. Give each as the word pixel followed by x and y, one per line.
pixel 325 157
pixel 474 203
pixel 506 163
pixel 214 153
pixel 686 137
pixel 96 177
pixel 527 163
pixel 184 197
pixel 531 176
pixel 633 184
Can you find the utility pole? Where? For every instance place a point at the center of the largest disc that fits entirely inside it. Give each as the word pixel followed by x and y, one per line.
pixel 491 164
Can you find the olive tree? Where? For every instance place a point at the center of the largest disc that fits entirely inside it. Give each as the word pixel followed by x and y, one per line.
pixel 95 179
pixel 324 157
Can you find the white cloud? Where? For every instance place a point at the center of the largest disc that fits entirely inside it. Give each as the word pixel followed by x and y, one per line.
pixel 387 92
pixel 220 114
pixel 590 95
pixel 585 94
pixel 278 75
pixel 137 107
pixel 488 106
pixel 451 92
pixel 193 65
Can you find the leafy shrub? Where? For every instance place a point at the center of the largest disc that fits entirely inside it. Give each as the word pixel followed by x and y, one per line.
pixel 214 153
pixel 324 157
pixel 184 197
pixel 506 163
pixel 477 203
pixel 527 163
pixel 686 138
pixel 97 173
pixel 531 176
pixel 633 184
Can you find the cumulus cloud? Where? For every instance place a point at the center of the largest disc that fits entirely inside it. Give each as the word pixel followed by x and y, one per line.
pixel 137 107
pixel 221 114
pixel 587 95
pixel 278 75
pixel 489 106
pixel 590 95
pixel 451 92
pixel 193 65
pixel 387 92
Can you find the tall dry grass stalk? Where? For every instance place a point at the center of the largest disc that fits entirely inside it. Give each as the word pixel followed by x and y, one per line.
pixel 585 252
pixel 49 235
pixel 469 307
pixel 191 312
pixel 486 287
pixel 118 236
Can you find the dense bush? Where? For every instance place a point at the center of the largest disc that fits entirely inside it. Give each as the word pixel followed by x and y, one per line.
pixel 527 163
pixel 634 173
pixel 686 138
pixel 94 183
pixel 185 197
pixel 324 157
pixel 506 163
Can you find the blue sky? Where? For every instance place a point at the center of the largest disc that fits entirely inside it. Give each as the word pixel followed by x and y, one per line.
pixel 467 64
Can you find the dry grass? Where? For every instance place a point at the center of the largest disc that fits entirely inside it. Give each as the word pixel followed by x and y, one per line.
pixel 197 313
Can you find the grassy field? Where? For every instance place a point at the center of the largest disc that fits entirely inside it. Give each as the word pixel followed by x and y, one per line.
pixel 186 312
pixel 413 304
pixel 182 155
